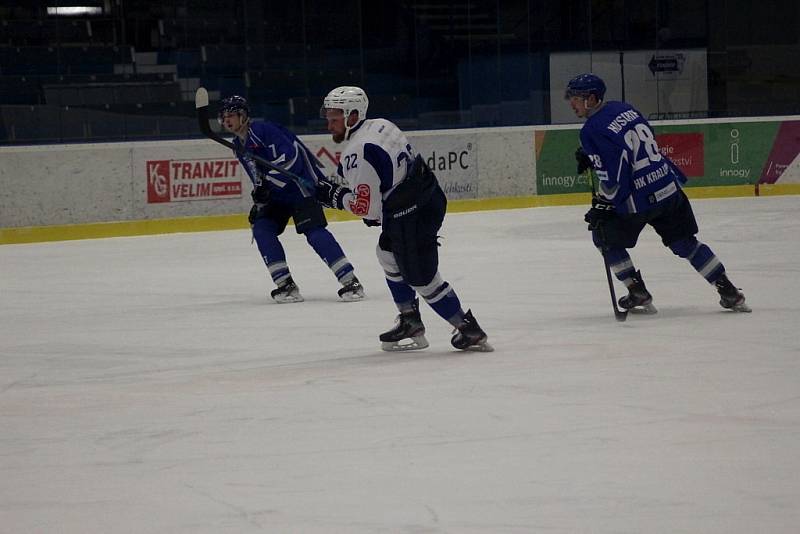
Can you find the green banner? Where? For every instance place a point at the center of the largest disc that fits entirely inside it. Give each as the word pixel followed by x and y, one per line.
pixel 711 154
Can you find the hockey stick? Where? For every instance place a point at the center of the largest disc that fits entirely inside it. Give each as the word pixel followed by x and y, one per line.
pixel 201 103
pixel 619 315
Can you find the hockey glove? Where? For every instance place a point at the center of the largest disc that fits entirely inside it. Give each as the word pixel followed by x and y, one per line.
pixel 260 194
pixel 331 194
pixel 255 212
pixel 601 211
pixel 584 162
pixel 371 222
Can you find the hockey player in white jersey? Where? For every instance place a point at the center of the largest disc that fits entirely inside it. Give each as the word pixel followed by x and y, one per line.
pixel 391 186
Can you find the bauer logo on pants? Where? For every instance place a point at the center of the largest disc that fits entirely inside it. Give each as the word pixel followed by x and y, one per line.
pixel 194 179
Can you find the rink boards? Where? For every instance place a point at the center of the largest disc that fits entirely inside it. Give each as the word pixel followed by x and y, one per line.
pixel 79 191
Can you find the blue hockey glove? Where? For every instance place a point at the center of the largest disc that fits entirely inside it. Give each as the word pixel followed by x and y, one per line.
pixel 584 162
pixel 331 194
pixel 601 211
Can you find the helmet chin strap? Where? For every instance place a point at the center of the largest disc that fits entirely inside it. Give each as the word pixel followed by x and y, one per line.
pixel 346 121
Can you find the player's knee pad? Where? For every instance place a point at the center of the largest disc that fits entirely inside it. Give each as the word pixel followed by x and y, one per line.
pixel 389 264
pixel 684 248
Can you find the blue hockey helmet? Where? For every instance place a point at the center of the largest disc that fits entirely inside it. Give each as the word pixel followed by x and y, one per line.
pixel 233 104
pixel 585 85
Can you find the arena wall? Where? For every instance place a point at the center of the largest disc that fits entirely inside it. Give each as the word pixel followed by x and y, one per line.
pixel 58 192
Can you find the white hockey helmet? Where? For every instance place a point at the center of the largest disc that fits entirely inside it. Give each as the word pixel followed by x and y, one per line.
pixel 348 99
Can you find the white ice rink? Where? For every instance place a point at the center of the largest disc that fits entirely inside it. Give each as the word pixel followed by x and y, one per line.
pixel 147 385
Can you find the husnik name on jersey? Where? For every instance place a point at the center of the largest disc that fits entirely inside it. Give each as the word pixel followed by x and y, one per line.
pixel 623 119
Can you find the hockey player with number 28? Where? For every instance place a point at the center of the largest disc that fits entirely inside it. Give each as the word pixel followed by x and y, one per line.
pixel 638 186
pixel 391 186
pixel 277 197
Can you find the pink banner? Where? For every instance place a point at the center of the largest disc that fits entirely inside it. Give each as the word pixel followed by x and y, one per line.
pixel 784 150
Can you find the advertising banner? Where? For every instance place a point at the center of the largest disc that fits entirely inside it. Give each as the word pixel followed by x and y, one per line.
pixel 783 154
pixel 193 179
pixel 710 154
pixel 454 160
pixel 555 163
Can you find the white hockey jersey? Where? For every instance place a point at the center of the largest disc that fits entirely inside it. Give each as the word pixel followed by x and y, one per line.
pixel 376 159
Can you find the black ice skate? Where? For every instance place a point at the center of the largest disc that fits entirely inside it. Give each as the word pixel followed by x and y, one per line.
pixel 287 292
pixel 638 299
pixel 352 290
pixel 730 297
pixel 408 333
pixel 470 336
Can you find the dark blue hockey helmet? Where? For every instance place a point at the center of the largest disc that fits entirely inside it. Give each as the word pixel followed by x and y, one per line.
pixel 233 104
pixel 585 85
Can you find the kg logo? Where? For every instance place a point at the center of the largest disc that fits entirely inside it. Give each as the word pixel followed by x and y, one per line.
pixel 158 181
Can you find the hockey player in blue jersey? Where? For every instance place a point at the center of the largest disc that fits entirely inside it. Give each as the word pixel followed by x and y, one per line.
pixel 391 186
pixel 638 186
pixel 277 197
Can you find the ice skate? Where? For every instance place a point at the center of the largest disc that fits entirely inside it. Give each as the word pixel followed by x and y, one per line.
pixel 730 297
pixel 352 291
pixel 408 333
pixel 470 336
pixel 287 292
pixel 638 299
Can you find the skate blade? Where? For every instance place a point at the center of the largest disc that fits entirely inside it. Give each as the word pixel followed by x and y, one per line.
pixel 289 300
pixel 414 343
pixel 647 309
pixel 740 307
pixel 482 346
pixel 352 297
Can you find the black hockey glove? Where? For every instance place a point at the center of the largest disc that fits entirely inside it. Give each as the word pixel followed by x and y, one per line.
pixel 331 194
pixel 601 211
pixel 584 162
pixel 255 213
pixel 260 194
pixel 371 222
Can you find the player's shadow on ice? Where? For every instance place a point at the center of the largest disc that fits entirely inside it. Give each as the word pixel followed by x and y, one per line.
pixel 665 312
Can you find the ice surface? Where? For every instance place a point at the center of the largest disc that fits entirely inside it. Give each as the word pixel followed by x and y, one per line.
pixel 148 385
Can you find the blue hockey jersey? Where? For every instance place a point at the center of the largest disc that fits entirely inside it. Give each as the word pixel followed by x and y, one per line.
pixel 282 148
pixel 633 172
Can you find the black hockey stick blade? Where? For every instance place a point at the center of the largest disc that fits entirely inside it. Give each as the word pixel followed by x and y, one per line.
pixel 201 104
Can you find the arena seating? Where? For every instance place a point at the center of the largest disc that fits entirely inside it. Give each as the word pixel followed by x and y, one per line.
pixel 132 72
